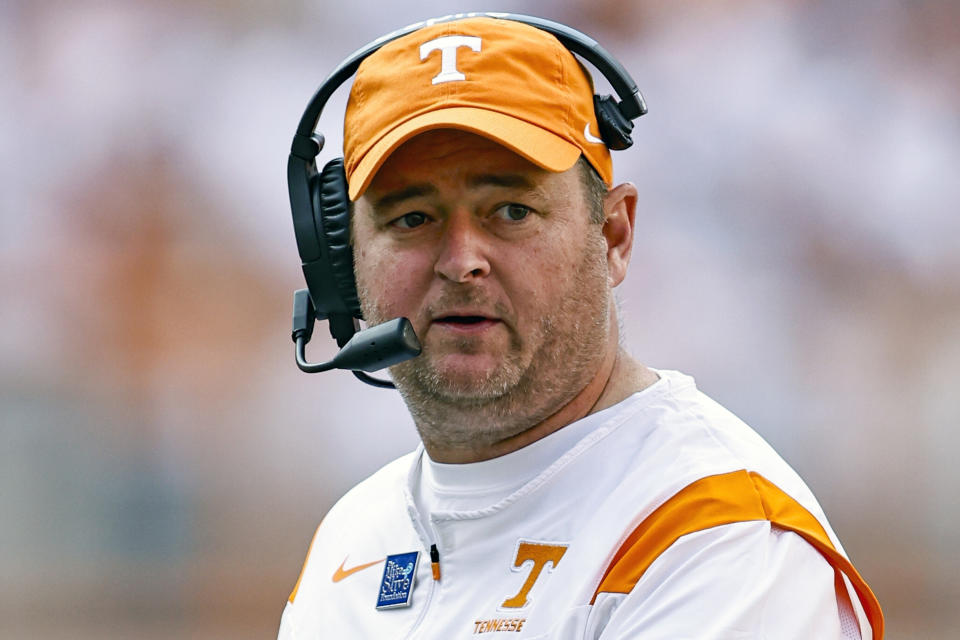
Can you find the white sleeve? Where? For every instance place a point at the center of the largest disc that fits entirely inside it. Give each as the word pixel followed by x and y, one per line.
pixel 286 624
pixel 747 580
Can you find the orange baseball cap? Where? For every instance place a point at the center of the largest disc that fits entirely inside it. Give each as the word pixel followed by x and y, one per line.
pixel 507 81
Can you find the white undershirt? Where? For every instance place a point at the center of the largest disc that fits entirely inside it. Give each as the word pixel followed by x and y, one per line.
pixel 446 487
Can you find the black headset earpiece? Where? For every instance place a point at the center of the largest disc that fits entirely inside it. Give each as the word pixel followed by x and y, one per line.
pixel 319 200
pixel 615 128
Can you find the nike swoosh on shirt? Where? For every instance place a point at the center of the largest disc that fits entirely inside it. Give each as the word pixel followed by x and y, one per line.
pixel 589 136
pixel 342 573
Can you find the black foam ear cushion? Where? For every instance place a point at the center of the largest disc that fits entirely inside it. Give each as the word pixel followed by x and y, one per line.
pixel 335 222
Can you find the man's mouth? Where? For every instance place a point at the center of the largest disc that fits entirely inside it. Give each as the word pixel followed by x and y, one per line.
pixel 465 323
pixel 465 320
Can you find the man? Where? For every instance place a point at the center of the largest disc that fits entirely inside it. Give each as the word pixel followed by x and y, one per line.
pixel 563 490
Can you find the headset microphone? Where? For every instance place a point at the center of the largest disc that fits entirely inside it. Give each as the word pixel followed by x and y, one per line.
pixel 372 349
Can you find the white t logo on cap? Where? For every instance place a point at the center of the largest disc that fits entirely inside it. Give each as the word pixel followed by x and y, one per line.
pixel 448 46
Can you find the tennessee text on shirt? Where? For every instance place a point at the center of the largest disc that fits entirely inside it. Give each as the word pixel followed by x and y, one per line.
pixel 498 624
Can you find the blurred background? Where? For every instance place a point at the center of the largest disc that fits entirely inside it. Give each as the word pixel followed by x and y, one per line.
pixel 163 464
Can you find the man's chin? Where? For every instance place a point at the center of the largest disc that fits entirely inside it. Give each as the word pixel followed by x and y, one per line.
pixel 460 377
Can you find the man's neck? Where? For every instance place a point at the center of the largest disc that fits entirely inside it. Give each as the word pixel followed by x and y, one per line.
pixel 617 377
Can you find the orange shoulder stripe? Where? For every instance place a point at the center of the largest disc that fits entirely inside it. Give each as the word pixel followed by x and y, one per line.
pixel 738 496
pixel 296 587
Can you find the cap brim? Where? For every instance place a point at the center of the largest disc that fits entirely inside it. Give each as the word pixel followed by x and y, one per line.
pixel 539 146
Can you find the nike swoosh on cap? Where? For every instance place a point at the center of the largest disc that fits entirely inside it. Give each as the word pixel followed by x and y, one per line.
pixel 342 573
pixel 589 136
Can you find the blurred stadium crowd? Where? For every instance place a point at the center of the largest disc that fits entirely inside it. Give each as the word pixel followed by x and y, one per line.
pixel 163 464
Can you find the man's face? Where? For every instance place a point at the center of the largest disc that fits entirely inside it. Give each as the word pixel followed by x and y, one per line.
pixel 496 264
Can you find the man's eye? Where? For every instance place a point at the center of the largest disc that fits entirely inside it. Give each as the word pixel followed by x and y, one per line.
pixel 513 211
pixel 410 220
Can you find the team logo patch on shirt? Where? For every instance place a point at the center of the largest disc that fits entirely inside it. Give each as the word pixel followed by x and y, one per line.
pixel 396 586
pixel 535 556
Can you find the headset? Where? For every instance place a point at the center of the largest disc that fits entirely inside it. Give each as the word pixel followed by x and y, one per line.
pixel 321 206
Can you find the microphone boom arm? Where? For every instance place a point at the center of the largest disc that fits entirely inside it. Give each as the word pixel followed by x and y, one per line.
pixel 369 350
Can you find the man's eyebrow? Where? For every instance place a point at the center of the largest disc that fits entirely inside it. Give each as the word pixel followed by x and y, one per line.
pixel 396 197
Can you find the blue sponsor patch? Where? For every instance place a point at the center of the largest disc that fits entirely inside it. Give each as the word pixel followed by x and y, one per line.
pixel 396 587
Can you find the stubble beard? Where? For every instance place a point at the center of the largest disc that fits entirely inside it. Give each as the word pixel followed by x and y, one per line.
pixel 525 388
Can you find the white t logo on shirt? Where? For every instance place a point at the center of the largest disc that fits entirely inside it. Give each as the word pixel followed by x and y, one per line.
pixel 448 46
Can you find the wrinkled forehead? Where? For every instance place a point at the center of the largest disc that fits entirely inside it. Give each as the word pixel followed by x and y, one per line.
pixel 447 170
pixel 451 155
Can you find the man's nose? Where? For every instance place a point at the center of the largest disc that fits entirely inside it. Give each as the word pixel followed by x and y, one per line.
pixel 464 248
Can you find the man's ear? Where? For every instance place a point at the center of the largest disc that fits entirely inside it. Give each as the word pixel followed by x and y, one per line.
pixel 620 207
